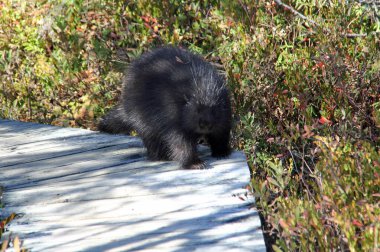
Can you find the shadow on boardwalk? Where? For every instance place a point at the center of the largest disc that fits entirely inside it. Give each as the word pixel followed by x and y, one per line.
pixel 80 190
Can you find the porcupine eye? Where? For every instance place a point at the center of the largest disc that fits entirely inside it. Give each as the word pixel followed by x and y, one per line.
pixel 204 124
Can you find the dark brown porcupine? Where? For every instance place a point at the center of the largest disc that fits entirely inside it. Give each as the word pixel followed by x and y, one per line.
pixel 171 98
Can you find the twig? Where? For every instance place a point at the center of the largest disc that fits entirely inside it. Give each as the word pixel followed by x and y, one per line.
pixel 347 35
pixel 246 12
pixel 292 10
pixel 358 35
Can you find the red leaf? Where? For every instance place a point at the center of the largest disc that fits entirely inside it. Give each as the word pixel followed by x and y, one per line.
pixel 357 223
pixel 320 64
pixel 324 120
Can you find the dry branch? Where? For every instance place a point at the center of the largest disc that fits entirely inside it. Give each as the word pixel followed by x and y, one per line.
pixel 295 12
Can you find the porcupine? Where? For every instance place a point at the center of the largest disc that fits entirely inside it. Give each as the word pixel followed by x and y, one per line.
pixel 172 98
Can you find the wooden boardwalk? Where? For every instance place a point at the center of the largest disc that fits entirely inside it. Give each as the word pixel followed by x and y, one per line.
pixel 80 190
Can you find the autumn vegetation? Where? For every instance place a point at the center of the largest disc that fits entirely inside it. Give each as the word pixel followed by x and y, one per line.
pixel 304 77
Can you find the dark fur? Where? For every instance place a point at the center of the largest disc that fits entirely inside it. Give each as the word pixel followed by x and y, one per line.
pixel 172 98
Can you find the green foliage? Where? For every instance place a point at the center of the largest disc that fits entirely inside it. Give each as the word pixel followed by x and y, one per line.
pixel 344 210
pixel 305 94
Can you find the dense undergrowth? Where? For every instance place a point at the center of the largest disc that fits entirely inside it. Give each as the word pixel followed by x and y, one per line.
pixel 304 77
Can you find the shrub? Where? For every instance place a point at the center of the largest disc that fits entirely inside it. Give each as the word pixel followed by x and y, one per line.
pixel 337 209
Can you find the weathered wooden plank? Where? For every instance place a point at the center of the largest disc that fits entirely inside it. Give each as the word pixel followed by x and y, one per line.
pixel 129 210
pixel 20 129
pixel 55 140
pixel 14 126
pixel 57 147
pixel 73 141
pixel 188 235
pixel 182 223
pixel 61 155
pixel 200 194
pixel 4 120
pixel 197 211
pixel 38 133
pixel 123 164
pixel 122 184
pixel 59 194
pixel 78 190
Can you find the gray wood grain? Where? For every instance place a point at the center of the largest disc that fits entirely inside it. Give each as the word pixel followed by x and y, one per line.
pixel 80 190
